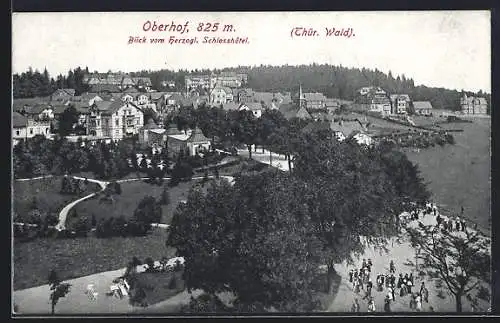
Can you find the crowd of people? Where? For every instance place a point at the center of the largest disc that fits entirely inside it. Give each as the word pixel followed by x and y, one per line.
pixel 404 285
pixel 361 280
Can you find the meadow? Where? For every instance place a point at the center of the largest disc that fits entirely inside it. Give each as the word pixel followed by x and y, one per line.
pixel 459 175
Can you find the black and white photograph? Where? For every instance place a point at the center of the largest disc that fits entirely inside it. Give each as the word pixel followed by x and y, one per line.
pixel 251 163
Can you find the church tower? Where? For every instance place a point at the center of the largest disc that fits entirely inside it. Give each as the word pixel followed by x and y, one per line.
pixel 302 98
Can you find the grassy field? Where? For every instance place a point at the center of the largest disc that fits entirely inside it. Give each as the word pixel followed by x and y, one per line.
pixel 126 203
pixel 157 285
pixel 82 256
pixel 459 175
pixel 46 193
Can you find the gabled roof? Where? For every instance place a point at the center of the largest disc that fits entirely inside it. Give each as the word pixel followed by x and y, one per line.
pixel 70 92
pixel 131 91
pixel 156 95
pixel 37 108
pixel 347 127
pixel 420 105
pixel 303 114
pixel 197 136
pixel 400 96
pixel 314 96
pixel 18 120
pixel 253 106
pixel 332 103
pixel 59 108
pixel 316 126
pixel 105 88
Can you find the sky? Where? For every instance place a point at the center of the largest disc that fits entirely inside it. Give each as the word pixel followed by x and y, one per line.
pixel 448 49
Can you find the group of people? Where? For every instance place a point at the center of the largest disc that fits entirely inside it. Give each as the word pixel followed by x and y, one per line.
pixel 362 277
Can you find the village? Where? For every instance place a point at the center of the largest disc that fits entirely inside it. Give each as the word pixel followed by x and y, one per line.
pixel 115 106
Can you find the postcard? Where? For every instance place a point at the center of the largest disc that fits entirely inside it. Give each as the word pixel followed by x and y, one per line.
pixel 251 163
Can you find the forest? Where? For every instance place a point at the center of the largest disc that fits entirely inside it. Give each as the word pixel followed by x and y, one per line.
pixel 333 81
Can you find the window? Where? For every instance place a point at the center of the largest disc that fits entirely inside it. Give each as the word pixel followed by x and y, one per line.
pixel 117 122
pixel 17 132
pixel 97 122
pixel 31 131
pixel 116 113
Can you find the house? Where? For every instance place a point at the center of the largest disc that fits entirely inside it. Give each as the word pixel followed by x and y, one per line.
pixel 142 99
pixel 255 107
pixel 39 111
pixel 400 103
pixel 362 138
pixel 473 105
pixel 114 119
pixel 332 105
pixel 380 104
pixel 346 129
pixel 152 135
pixel 243 95
pixel 189 143
pixel 221 95
pixel 231 79
pixel 195 82
pixel 422 108
pixel 24 127
pixel 142 83
pixel 320 116
pixel 103 89
pixel 62 95
pixel 86 98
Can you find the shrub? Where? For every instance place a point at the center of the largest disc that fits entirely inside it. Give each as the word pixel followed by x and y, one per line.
pixel 150 263
pixel 82 227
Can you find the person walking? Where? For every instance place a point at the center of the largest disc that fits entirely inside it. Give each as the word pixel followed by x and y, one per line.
pixel 363 265
pixel 369 286
pixel 382 279
pixel 387 280
pixel 412 302
pixel 369 265
pixel 393 288
pixel 409 284
pixel 389 294
pixel 400 280
pixel 425 295
pixel 392 268
pixel 387 304
pixel 463 226
pixel 350 275
pixel 418 303
pixel 457 225
pixel 356 286
pixel 355 306
pixel 403 291
pixel 371 305
pixel 422 287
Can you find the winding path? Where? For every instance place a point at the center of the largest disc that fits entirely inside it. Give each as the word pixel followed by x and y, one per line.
pixel 61 225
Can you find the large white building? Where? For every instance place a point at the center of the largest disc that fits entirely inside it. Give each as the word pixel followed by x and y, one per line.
pixel 114 120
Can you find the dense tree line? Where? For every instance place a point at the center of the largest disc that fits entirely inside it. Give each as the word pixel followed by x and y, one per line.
pixel 40 156
pixel 35 84
pixel 264 238
pixel 333 81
